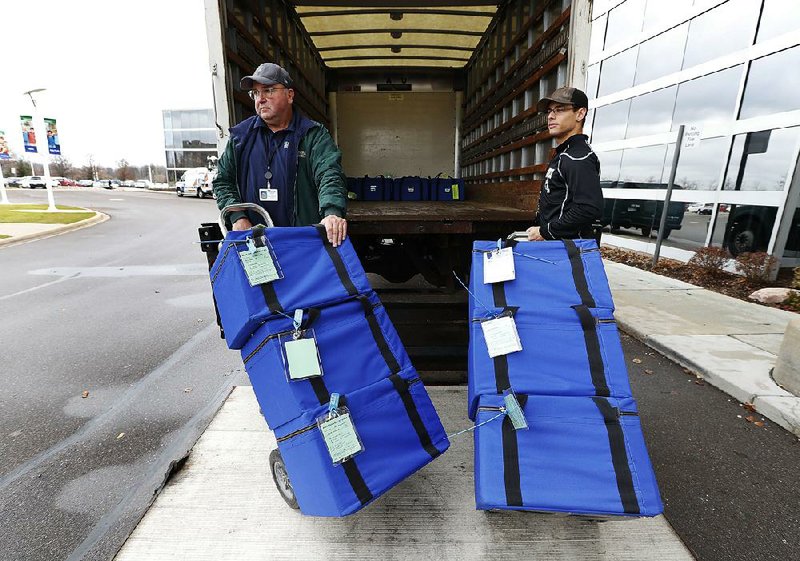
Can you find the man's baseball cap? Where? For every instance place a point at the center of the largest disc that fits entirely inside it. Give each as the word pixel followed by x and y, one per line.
pixel 267 74
pixel 572 96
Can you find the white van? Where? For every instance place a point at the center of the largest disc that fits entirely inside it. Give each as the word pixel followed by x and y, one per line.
pixel 197 182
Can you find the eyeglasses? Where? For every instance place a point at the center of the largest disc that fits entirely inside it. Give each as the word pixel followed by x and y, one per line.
pixel 559 110
pixel 268 93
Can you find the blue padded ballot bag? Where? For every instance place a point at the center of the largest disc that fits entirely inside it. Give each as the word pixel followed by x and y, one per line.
pixel 578 455
pixel 568 352
pixel 397 429
pixel 310 271
pixel 356 345
pixel 549 274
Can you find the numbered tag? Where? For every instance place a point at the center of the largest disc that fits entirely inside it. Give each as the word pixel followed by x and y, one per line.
pixel 501 336
pixel 514 412
pixel 498 266
pixel 259 266
pixel 455 191
pixel 340 435
pixel 268 195
pixel 302 357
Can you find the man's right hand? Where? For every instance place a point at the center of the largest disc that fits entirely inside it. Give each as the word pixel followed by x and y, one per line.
pixel 242 224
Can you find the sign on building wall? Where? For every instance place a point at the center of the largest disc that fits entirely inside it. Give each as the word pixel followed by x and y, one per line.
pixel 4 155
pixel 28 133
pixel 53 144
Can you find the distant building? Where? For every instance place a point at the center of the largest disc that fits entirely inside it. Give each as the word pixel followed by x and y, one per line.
pixel 728 67
pixel 190 137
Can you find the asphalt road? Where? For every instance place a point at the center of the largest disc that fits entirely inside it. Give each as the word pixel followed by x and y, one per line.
pixel 122 310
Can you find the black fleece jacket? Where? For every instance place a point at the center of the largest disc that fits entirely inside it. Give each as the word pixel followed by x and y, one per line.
pixel 571 197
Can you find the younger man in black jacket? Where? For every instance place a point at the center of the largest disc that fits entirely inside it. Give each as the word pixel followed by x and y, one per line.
pixel 571 198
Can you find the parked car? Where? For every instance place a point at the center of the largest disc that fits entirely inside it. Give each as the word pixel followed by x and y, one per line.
pixel 85 182
pixel 64 181
pixel 106 183
pixel 642 214
pixel 197 182
pixel 700 208
pixel 142 184
pixel 750 228
pixel 35 181
pixel 13 181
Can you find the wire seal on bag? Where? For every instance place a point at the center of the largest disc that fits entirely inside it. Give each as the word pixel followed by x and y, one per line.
pixel 481 304
pixel 473 427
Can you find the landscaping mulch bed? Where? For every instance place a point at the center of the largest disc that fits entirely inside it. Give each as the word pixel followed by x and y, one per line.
pixel 718 281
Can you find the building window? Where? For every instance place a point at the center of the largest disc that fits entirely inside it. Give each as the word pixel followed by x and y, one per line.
pixel 609 167
pixel 609 121
pixel 710 99
pixel 643 165
pixel 699 169
pixel 617 72
pixel 777 18
pixel 744 228
pixel 661 55
pixel 727 28
pixel 624 22
pixel 760 160
pixel 657 11
pixel 651 113
pixel 772 85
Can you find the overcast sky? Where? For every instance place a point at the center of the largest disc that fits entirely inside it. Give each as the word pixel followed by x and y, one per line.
pixel 109 67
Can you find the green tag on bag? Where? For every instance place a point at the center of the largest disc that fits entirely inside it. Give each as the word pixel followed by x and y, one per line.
pixel 258 264
pixel 514 412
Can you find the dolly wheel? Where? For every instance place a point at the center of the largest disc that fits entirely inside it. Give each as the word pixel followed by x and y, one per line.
pixel 281 478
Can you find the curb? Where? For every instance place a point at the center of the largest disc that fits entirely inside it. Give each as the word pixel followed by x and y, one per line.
pixel 781 410
pixel 98 218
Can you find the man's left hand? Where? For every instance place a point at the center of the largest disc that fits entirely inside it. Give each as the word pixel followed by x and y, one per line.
pixel 336 228
pixel 534 234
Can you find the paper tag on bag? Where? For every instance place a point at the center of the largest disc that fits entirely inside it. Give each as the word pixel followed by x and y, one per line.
pixel 258 265
pixel 302 358
pixel 498 266
pixel 501 336
pixel 340 435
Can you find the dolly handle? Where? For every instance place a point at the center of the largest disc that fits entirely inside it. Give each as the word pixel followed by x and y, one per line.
pixel 243 207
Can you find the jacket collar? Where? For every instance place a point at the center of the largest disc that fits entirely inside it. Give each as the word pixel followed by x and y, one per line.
pixel 571 141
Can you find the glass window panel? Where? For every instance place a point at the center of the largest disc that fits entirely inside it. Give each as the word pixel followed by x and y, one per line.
pixel 598 34
pixel 793 241
pixel 764 94
pixel 661 55
pixel 778 17
pixel 723 30
pixel 617 72
pixel 651 113
pixel 643 165
pixel 609 167
pixel 710 99
pixel 699 168
pixel 609 121
pixel 167 119
pixel 624 22
pixel 657 11
pixel 760 160
pixel 743 228
pixel 592 79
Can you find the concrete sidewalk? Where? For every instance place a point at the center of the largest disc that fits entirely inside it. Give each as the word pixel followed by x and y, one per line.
pixel 730 343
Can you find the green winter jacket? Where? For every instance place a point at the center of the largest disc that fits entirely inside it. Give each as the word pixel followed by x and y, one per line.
pixel 319 187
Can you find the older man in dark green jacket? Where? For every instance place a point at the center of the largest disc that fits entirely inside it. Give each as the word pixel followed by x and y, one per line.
pixel 283 161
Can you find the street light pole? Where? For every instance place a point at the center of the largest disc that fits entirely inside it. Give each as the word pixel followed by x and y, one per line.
pixel 51 202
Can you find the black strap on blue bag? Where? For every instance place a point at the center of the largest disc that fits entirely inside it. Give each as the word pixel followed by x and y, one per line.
pixel 511 473
pixel 338 262
pixel 402 387
pixel 579 274
pixel 270 296
pixel 502 380
pixel 317 383
pixel 596 366
pixel 377 334
pixel 353 474
pixel 619 456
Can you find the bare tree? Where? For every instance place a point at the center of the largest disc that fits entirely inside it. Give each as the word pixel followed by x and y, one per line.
pixel 61 167
pixel 124 170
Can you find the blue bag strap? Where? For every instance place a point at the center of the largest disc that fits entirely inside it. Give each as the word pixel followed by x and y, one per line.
pixel 592 341
pixel 511 473
pixel 338 262
pixel 619 456
pixel 402 387
pixel 270 296
pixel 502 381
pixel 353 474
pixel 579 273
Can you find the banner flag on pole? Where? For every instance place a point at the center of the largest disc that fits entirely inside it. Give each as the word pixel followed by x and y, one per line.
pixel 53 145
pixel 28 133
pixel 4 155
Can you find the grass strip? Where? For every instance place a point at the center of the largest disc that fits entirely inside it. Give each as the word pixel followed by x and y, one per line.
pixel 9 215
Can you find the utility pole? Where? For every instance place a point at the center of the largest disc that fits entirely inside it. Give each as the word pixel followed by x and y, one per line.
pixel 51 202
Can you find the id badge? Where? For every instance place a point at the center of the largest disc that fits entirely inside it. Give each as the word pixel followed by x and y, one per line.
pixel 258 263
pixel 268 195
pixel 501 336
pixel 302 357
pixel 498 266
pixel 340 435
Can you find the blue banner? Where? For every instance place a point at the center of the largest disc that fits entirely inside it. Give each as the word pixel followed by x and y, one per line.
pixel 53 144
pixel 28 134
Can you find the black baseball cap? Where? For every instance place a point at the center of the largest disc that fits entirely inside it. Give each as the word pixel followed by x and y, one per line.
pixel 267 74
pixel 571 96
